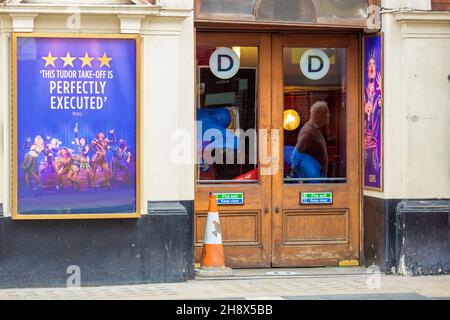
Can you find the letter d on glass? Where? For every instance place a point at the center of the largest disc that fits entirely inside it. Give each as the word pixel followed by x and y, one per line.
pixel 74 280
pixel 224 63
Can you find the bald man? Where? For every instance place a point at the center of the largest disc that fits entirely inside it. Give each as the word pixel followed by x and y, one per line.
pixel 311 140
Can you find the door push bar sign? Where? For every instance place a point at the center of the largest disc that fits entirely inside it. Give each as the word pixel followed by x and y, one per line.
pixel 224 63
pixel 315 64
pixel 316 198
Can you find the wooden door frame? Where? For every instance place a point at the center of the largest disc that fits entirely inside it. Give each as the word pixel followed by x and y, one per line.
pixel 354 129
pixel 247 38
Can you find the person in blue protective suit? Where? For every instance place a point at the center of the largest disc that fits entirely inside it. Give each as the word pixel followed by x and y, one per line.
pixel 301 165
pixel 213 122
pixel 310 157
pixel 212 136
pixel 305 166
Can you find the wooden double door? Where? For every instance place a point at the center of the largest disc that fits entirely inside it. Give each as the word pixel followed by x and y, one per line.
pixel 296 173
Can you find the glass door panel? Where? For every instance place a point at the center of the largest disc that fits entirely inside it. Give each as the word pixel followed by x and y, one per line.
pixel 227 118
pixel 314 94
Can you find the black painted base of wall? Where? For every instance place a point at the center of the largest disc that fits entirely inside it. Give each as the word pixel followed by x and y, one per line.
pixel 379 233
pixel 410 237
pixel 423 237
pixel 158 247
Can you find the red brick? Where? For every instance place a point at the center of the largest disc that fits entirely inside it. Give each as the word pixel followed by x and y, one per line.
pixel 440 5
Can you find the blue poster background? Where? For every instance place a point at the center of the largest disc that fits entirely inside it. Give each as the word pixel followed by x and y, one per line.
pixel 52 183
pixel 373 104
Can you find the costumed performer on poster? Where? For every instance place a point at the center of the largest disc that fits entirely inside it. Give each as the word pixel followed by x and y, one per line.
pixel 100 146
pixel 83 157
pixel 66 166
pixel 30 162
pixel 121 160
pixel 372 117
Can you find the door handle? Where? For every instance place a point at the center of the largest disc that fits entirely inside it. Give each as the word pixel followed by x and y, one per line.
pixel 266 210
pixel 277 210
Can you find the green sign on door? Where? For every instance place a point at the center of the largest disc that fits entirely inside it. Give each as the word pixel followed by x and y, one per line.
pixel 316 198
pixel 236 198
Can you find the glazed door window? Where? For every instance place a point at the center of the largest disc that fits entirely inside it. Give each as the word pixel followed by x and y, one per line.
pixel 315 115
pixel 227 116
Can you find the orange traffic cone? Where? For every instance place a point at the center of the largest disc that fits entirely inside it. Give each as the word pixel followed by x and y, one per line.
pixel 213 262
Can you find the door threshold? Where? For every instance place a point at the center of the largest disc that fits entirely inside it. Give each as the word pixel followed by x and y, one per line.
pixel 281 273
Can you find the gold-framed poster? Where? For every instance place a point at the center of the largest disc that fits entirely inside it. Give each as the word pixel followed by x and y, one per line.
pixel 75 126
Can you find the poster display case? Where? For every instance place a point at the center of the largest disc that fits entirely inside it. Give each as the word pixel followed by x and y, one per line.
pixel 75 126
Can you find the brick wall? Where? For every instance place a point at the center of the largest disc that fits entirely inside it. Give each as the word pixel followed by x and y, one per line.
pixel 441 5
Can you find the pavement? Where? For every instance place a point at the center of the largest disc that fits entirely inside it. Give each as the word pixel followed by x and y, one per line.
pixel 262 284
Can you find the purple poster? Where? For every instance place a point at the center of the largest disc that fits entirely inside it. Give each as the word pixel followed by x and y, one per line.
pixel 373 112
pixel 76 146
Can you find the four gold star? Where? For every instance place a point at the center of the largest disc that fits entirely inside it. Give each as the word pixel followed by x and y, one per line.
pixel 68 60
pixel 104 60
pixel 50 60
